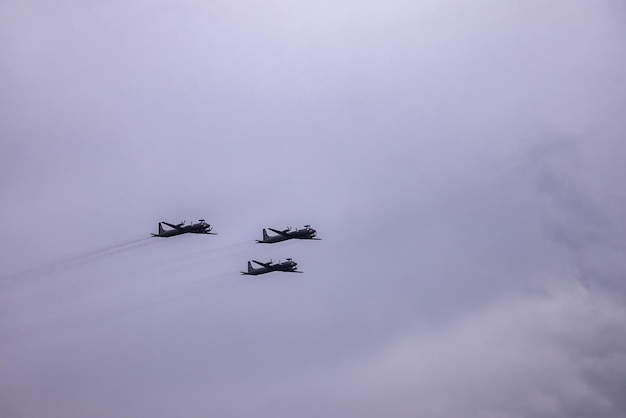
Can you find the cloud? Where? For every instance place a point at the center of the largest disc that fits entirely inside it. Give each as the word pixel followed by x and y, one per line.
pixel 559 354
pixel 463 164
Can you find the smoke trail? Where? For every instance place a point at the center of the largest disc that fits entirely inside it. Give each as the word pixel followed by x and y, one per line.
pixel 203 256
pixel 193 258
pixel 80 318
pixel 76 260
pixel 191 288
pixel 186 290
pixel 215 251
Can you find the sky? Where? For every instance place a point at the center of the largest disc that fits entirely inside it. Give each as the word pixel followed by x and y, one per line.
pixel 461 161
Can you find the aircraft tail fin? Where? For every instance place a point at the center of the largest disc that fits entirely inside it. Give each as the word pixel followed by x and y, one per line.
pixel 161 228
pixel 249 267
pixel 265 236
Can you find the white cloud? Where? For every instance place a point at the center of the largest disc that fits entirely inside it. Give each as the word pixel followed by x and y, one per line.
pixel 527 355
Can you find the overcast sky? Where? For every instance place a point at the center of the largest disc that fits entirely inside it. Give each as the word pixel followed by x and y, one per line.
pixel 463 163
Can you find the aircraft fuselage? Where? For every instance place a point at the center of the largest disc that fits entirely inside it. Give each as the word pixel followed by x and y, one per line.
pixel 288 266
pixel 199 228
pixel 306 233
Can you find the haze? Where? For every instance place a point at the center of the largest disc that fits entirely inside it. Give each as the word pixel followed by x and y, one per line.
pixel 461 161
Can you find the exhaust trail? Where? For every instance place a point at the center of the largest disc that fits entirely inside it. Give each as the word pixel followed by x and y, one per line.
pixel 188 289
pixel 75 261
pixel 84 317
pixel 214 251
pixel 192 288
pixel 204 256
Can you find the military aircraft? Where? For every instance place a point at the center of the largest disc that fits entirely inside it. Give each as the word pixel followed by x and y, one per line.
pixel 288 266
pixel 306 233
pixel 200 228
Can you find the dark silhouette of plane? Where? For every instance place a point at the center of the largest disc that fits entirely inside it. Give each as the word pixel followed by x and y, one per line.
pixel 284 235
pixel 200 228
pixel 288 266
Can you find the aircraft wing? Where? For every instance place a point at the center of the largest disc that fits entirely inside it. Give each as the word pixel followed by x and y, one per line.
pixel 283 233
pixel 268 265
pixel 173 226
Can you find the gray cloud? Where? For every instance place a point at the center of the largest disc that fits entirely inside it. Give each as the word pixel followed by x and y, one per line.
pixel 462 164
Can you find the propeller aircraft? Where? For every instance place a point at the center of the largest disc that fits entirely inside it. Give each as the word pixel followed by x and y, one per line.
pixel 306 233
pixel 288 266
pixel 200 228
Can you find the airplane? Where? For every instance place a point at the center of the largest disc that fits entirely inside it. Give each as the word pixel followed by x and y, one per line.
pixel 306 233
pixel 288 266
pixel 200 228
